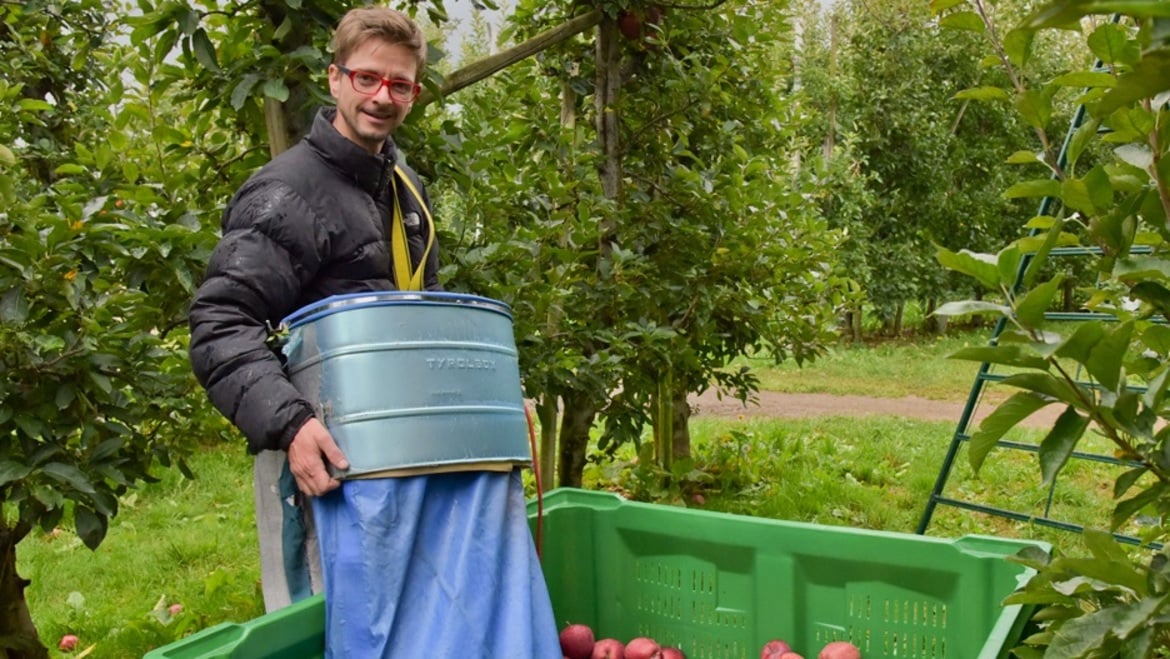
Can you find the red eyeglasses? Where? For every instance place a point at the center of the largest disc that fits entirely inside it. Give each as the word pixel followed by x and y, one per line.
pixel 369 83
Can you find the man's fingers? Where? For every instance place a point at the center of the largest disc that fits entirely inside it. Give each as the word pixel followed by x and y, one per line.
pixel 332 453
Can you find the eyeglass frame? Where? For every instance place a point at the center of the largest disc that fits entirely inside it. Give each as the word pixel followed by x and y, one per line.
pixel 383 82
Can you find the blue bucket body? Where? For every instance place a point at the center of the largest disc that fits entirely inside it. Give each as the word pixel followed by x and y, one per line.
pixel 412 381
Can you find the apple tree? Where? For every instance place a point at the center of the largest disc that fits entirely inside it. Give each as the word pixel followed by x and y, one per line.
pixel 1109 189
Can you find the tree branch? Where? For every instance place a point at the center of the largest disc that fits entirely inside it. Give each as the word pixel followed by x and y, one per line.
pixel 489 66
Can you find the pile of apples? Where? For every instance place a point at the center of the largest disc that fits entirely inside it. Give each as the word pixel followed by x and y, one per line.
pixel 578 642
pixel 777 649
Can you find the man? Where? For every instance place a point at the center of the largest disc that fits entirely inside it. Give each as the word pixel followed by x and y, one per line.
pixel 316 221
pixel 437 564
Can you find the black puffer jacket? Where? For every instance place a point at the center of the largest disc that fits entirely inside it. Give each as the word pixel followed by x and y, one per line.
pixel 310 224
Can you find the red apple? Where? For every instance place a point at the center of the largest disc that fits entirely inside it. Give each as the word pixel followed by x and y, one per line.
pixel 791 655
pixel 577 641
pixel 643 648
pixel 673 653
pixel 608 648
pixel 840 650
pixel 68 643
pixel 630 25
pixel 175 609
pixel 774 649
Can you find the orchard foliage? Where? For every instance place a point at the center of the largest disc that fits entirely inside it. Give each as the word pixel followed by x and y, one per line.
pixel 1109 190
pixel 712 247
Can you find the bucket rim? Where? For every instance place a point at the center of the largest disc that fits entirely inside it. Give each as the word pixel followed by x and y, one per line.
pixel 348 301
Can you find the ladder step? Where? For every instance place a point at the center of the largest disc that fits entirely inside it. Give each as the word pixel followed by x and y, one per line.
pixel 1032 519
pixel 1033 448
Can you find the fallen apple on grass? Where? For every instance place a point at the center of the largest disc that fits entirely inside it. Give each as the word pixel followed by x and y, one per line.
pixel 68 643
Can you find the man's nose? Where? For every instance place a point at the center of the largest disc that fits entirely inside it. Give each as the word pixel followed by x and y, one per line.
pixel 383 94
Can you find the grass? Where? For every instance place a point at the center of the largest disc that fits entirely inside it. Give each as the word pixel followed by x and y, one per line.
pixel 193 542
pixel 890 369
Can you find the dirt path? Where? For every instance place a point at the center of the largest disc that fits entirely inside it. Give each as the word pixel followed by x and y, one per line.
pixel 771 403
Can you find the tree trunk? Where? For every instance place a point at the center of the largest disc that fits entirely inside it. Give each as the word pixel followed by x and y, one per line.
pixel 546 411
pixel 18 635
pixel 576 422
pixel 607 88
pixel 663 417
pixel 681 442
pixel 899 310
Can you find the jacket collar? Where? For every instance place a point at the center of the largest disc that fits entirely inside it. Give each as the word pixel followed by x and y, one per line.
pixel 367 170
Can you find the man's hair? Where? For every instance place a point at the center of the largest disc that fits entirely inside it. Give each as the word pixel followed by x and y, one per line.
pixel 364 23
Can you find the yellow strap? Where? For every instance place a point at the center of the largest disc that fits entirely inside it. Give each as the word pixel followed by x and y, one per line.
pixel 404 278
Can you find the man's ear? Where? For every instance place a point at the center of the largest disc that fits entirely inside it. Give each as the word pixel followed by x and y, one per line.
pixel 334 81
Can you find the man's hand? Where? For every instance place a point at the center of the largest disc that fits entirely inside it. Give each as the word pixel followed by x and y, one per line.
pixel 312 443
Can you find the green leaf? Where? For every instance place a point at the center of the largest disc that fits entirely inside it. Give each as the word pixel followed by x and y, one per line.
pixel 1080 636
pixel 13 306
pixel 1104 547
pixel 107 449
pixel 1017 44
pixel 939 6
pixel 1005 417
pixel 983 267
pixel 1125 510
pixel 1157 338
pixel 243 89
pixel 1080 140
pixel 1035 107
pixel 1110 43
pixel 1035 188
pixel 1058 445
pixel 963 20
pixel 1138 268
pixel 1024 158
pixel 1005 355
pixel 1135 8
pixel 984 93
pixel 204 50
pixel 969 307
pixel 12 471
pixel 1045 384
pixel 1051 239
pixel 1106 358
pixel 1149 77
pixel 1008 262
pixel 68 169
pixel 34 105
pixel 1127 480
pixel 7 158
pixel 1074 193
pixel 1085 79
pixel 70 475
pixel 1136 155
pixel 1079 345
pixel 276 89
pixel 91 526
pixel 1031 308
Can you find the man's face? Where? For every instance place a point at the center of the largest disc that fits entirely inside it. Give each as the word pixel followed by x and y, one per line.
pixel 369 120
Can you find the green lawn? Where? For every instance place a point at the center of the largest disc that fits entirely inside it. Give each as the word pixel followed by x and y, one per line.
pixel 192 542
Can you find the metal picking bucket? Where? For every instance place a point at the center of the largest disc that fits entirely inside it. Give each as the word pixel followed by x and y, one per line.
pixel 410 382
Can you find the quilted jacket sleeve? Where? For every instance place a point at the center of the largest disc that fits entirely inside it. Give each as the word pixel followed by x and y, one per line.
pixel 254 279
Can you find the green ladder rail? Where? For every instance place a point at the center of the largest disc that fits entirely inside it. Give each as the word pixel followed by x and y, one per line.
pixel 985 376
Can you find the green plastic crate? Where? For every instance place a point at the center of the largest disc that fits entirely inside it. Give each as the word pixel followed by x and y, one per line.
pixel 719 586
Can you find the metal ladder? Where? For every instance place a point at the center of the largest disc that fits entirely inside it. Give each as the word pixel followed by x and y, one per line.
pixel 985 376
